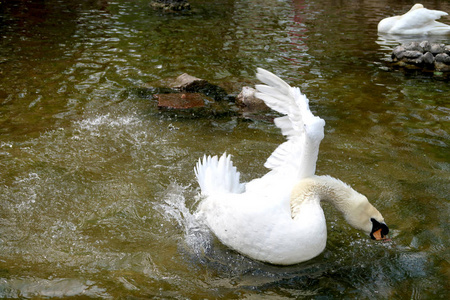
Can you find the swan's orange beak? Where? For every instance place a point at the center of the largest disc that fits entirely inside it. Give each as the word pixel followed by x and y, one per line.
pixel 379 231
pixel 377 235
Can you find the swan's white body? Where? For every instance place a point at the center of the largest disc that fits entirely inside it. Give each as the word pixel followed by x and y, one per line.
pixel 278 218
pixel 417 21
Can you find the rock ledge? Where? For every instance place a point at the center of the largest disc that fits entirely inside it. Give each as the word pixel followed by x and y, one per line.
pixel 422 55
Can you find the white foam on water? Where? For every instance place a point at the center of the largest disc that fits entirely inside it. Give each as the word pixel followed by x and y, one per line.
pixel 196 237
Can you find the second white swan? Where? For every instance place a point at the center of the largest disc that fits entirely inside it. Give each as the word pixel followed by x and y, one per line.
pixel 278 218
pixel 417 21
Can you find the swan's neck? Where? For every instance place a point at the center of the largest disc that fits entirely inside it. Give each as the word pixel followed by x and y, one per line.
pixel 325 188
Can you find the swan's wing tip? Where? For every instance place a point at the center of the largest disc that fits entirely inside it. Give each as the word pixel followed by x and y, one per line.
pixel 303 129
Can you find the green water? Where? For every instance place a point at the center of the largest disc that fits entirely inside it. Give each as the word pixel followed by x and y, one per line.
pixel 97 188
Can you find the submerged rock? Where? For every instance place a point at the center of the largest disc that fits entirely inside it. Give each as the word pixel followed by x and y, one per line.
pixel 192 84
pixel 180 100
pixel 171 5
pixel 186 81
pixel 424 55
pixel 191 96
pixel 249 102
pixel 188 96
pixel 192 105
pixel 251 107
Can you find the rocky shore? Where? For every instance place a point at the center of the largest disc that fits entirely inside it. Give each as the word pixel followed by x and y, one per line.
pixel 422 55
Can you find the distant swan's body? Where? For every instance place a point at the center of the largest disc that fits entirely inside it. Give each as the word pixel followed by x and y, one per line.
pixel 417 21
pixel 278 218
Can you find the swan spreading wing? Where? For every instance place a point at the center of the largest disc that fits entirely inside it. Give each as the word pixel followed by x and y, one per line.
pixel 278 218
pixel 304 131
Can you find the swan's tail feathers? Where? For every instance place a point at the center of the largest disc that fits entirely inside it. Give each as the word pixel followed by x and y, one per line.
pixel 217 175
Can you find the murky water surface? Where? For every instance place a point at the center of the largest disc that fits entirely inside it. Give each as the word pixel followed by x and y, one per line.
pixel 97 190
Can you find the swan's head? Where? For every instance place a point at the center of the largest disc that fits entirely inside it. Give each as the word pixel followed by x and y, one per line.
pixel 366 217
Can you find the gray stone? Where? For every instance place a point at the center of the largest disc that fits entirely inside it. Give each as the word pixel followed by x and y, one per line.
pixel 412 54
pixel 426 46
pixel 428 58
pixel 191 84
pixel 436 49
pixel 413 46
pixel 447 49
pixel 186 81
pixel 398 52
pixel 247 99
pixel 443 58
pixel 414 61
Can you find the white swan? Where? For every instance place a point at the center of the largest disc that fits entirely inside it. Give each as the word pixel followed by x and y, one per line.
pixel 278 218
pixel 417 21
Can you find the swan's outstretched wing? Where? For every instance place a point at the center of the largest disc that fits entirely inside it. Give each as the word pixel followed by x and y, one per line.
pixel 304 131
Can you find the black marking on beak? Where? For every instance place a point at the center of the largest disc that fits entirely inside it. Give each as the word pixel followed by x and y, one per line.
pixel 377 226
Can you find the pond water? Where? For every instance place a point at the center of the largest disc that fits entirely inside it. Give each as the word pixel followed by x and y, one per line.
pixel 97 190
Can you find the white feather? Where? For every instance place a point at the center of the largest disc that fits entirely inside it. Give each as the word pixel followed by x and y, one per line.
pixel 216 175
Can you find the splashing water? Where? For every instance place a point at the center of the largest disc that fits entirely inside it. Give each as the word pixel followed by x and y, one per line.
pixel 197 239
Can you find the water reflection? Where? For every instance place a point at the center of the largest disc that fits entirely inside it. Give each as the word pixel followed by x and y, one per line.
pixel 97 192
pixel 391 40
